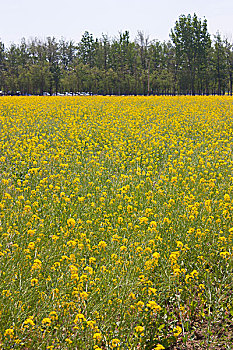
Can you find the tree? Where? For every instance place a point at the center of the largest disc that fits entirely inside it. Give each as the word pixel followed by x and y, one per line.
pixel 219 64
pixel 2 65
pixel 67 52
pixel 52 54
pixel 229 63
pixel 192 43
pixel 40 75
pixel 87 49
pixel 188 64
pixel 12 65
pixel 145 57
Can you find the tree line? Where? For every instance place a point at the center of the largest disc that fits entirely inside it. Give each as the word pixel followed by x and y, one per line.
pixel 189 63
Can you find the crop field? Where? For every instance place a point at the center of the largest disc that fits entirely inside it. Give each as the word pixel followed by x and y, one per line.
pixel 116 223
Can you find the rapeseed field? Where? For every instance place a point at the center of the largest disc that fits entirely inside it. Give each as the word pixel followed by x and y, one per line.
pixel 116 222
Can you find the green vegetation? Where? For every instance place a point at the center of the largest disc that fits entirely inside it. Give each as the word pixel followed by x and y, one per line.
pixel 191 63
pixel 116 223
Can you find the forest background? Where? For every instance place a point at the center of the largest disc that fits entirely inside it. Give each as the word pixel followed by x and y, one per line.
pixel 190 63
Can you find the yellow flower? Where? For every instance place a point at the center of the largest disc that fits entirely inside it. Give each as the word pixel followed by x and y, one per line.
pixel 153 305
pixel 120 220
pixel 227 198
pixel 115 342
pixel 143 220
pixel 37 265
pixel 156 256
pixel 91 324
pixel 159 347
pixel 9 333
pixel 73 269
pixel 71 222
pixel 79 318
pixel 177 330
pixel 152 291
pixel 31 245
pixel 29 321
pixel 53 315
pixel 179 244
pixel 123 248
pixel 194 273
pixel 92 260
pixel 140 305
pixel 34 281
pixel 97 336
pixel 102 244
pixel 139 329
pixel 31 232
pixel 46 321
pixel 27 208
pixel 225 254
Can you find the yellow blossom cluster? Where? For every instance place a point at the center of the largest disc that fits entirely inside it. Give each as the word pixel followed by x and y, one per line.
pixel 115 221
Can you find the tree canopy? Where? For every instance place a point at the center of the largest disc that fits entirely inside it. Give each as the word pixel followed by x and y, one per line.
pixel 191 63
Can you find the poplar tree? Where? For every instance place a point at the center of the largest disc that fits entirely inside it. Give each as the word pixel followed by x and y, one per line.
pixel 192 43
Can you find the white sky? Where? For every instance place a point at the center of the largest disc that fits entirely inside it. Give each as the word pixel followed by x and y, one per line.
pixel 70 18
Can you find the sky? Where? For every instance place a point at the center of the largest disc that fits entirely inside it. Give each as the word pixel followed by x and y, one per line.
pixel 71 18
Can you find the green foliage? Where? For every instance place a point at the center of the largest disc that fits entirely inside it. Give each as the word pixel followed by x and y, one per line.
pixel 190 64
pixel 192 44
